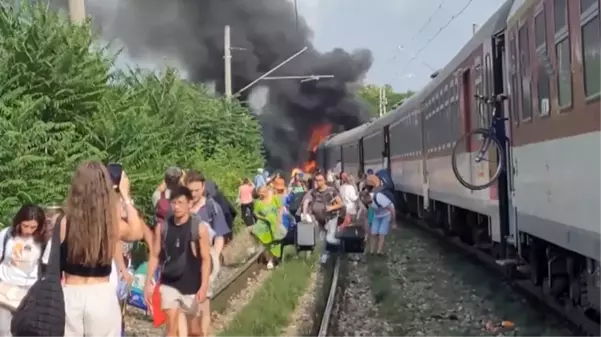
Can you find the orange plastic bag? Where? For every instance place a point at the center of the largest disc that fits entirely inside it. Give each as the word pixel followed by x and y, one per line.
pixel 158 316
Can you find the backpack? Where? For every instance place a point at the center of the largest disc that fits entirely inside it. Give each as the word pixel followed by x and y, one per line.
pixel 319 203
pixel 174 267
pixel 42 310
pixel 161 209
pixel 386 187
pixel 387 192
pixel 295 202
pixel 385 179
pixel 229 211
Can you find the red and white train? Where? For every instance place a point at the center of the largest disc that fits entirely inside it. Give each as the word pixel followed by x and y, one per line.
pixel 544 212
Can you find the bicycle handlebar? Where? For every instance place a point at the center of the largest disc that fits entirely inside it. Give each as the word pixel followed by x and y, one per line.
pixel 491 99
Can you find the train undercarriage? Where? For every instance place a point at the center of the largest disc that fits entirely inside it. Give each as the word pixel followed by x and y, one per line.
pixel 570 280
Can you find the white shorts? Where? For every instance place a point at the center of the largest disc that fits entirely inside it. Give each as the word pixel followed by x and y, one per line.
pixel 89 308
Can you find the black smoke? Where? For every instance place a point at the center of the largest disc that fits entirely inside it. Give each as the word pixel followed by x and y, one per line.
pixel 268 31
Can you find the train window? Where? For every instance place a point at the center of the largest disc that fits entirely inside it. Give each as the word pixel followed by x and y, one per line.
pixel 585 5
pixel 590 47
pixel 543 86
pixel 540 32
pixel 525 72
pixel 564 75
pixel 514 83
pixel 561 15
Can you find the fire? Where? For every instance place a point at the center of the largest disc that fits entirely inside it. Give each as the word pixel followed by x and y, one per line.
pixel 318 135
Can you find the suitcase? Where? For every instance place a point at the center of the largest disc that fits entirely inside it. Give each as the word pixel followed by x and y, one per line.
pixel 352 239
pixel 305 236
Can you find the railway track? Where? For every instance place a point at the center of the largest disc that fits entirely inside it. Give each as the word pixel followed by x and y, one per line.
pixel 327 314
pixel 518 281
pixel 234 280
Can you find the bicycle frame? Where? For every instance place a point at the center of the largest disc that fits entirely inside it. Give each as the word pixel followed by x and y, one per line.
pixel 492 128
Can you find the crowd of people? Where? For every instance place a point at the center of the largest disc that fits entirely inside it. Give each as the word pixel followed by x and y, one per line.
pixel 73 262
pixel 331 201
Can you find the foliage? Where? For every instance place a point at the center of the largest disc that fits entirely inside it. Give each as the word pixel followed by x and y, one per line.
pixel 61 102
pixel 371 94
pixel 268 312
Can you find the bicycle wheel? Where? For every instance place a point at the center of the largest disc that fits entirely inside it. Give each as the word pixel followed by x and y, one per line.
pixel 477 159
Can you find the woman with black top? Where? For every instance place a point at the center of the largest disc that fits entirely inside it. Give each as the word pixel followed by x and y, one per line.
pixel 90 230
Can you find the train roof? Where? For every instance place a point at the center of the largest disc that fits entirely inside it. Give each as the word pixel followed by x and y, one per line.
pixel 346 136
pixel 496 23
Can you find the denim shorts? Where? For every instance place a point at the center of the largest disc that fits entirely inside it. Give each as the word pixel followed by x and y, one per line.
pixel 381 225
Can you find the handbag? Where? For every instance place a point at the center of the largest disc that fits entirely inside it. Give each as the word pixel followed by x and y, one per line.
pixel 42 310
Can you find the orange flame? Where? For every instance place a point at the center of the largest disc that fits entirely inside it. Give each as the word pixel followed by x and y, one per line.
pixel 318 135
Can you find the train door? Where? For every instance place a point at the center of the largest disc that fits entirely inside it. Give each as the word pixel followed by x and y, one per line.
pixel 505 192
pixel 467 98
pixel 386 152
pixel 361 168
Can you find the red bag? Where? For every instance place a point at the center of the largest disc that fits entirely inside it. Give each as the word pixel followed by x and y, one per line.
pixel 158 315
pixel 348 220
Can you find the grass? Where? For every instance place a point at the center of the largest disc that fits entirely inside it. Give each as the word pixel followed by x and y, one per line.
pixel 386 292
pixel 268 312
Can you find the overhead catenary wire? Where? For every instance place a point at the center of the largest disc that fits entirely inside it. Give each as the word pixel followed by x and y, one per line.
pixel 455 16
pixel 421 29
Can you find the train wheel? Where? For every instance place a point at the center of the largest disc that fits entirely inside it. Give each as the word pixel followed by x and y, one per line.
pixel 470 151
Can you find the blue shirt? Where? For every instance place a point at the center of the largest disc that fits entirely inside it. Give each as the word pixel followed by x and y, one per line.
pixel 259 180
pixel 287 219
pixel 219 224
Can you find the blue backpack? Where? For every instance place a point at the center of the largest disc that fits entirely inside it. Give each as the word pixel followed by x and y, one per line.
pixel 387 185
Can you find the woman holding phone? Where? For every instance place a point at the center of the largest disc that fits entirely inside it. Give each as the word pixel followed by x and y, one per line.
pixel 90 231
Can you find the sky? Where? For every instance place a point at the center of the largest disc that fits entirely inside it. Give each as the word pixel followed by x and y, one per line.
pixel 385 25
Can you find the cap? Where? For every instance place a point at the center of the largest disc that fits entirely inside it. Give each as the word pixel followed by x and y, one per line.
pixel 173 172
pixel 372 180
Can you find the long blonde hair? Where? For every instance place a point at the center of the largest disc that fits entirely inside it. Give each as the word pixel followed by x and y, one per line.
pixel 92 216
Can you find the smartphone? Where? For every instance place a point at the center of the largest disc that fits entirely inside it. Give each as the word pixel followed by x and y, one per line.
pixel 115 171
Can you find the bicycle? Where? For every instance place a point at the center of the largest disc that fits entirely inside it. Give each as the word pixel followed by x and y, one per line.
pixel 487 137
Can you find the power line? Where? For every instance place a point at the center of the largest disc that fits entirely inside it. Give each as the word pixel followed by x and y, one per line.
pixel 455 16
pixel 421 29
pixel 428 21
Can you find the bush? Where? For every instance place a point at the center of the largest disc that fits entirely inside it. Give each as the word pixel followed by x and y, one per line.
pixel 61 102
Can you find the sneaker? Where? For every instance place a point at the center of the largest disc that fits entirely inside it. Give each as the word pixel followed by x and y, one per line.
pixel 269 265
pixel 324 258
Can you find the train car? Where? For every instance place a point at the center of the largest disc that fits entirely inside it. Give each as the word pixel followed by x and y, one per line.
pixel 553 79
pixel 542 216
pixel 345 148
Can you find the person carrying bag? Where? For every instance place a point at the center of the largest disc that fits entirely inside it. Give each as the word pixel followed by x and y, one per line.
pixel 42 310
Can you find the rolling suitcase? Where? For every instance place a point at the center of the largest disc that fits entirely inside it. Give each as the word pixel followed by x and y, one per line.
pixel 352 239
pixel 305 236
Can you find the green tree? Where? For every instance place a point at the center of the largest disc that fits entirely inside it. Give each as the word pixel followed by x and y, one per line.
pixel 61 102
pixel 371 94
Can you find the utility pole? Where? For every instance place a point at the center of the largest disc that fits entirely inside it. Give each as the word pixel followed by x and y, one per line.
pixel 227 57
pixel 382 102
pixel 77 11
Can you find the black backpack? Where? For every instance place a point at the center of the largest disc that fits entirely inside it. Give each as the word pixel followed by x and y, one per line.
pixel 42 310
